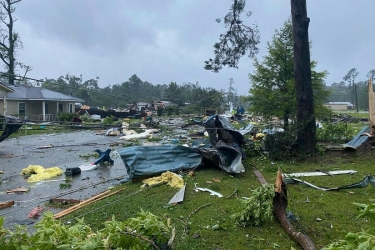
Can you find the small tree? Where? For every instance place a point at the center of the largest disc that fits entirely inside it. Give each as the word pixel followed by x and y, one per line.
pixel 9 39
pixel 273 80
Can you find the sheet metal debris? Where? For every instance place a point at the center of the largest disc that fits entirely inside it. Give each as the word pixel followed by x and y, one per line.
pixel 179 196
pixel 359 139
pixel 207 190
pixel 224 150
pixel 369 179
pixel 320 173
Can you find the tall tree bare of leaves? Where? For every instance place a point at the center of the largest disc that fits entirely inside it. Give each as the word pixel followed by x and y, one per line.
pixel 350 77
pixel 9 39
pixel 236 42
pixel 306 125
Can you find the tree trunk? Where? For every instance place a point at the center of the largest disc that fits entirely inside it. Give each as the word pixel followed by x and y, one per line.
pixel 12 40
pixel 306 127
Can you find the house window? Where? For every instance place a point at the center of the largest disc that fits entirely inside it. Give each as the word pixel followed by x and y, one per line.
pixel 21 108
pixel 61 107
pixel 70 107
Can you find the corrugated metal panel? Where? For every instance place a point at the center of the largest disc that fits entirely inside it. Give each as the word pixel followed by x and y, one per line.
pixel 359 139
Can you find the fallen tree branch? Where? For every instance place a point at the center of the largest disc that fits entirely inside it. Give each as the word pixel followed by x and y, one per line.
pixel 280 203
pixel 234 193
pixel 152 243
pixel 186 230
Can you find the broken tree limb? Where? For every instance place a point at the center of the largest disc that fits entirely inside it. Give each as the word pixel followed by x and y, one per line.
pixel 86 202
pixel 280 203
pixel 186 229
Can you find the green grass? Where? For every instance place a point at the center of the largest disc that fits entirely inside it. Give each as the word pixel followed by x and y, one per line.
pixel 212 227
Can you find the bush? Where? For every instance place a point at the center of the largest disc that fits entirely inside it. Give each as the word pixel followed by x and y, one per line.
pixel 65 116
pixel 338 132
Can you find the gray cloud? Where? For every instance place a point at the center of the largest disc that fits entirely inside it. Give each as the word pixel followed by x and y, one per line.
pixel 169 40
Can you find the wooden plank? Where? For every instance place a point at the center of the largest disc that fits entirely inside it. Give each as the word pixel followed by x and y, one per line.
pixel 6 204
pixel 260 177
pixel 86 202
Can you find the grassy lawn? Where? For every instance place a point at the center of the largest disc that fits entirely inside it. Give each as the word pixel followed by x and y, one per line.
pixel 326 217
pixel 203 221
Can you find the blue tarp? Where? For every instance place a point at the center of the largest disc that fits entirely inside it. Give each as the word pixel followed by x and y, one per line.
pixel 143 161
pixel 225 152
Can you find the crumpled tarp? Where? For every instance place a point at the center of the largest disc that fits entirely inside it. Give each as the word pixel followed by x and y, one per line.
pixel 39 173
pixel 11 125
pixel 225 152
pixel 147 161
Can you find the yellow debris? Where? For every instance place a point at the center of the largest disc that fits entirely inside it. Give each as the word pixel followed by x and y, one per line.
pixel 259 136
pixel 39 173
pixel 170 178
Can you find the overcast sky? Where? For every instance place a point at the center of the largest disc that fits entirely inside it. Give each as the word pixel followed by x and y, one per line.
pixel 163 41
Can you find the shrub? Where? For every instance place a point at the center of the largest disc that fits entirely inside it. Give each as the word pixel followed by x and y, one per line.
pixel 339 132
pixel 65 116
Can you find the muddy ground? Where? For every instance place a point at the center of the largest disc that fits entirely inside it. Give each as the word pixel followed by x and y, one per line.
pixel 68 150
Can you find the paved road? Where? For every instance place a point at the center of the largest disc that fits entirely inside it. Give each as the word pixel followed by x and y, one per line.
pixel 17 154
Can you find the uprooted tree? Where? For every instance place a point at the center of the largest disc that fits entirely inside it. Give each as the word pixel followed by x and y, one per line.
pixel 9 39
pixel 241 39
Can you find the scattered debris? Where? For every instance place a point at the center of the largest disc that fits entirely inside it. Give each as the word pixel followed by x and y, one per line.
pixel 18 190
pixel 369 179
pixel 86 202
pixel 170 178
pixel 146 134
pixel 39 173
pixel 103 157
pixel 72 171
pixel 36 212
pixel 6 204
pixel 320 173
pixel 207 190
pixel 62 203
pixel 179 196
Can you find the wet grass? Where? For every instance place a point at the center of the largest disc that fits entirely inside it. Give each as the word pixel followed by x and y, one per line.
pixel 326 217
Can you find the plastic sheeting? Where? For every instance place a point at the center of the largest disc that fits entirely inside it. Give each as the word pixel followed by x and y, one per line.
pixel 147 161
pixel 225 152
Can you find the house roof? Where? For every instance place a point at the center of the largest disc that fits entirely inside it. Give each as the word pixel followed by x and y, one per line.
pixel 38 93
pixel 6 87
pixel 341 103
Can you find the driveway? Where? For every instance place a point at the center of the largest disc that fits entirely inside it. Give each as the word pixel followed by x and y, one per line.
pixel 64 150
